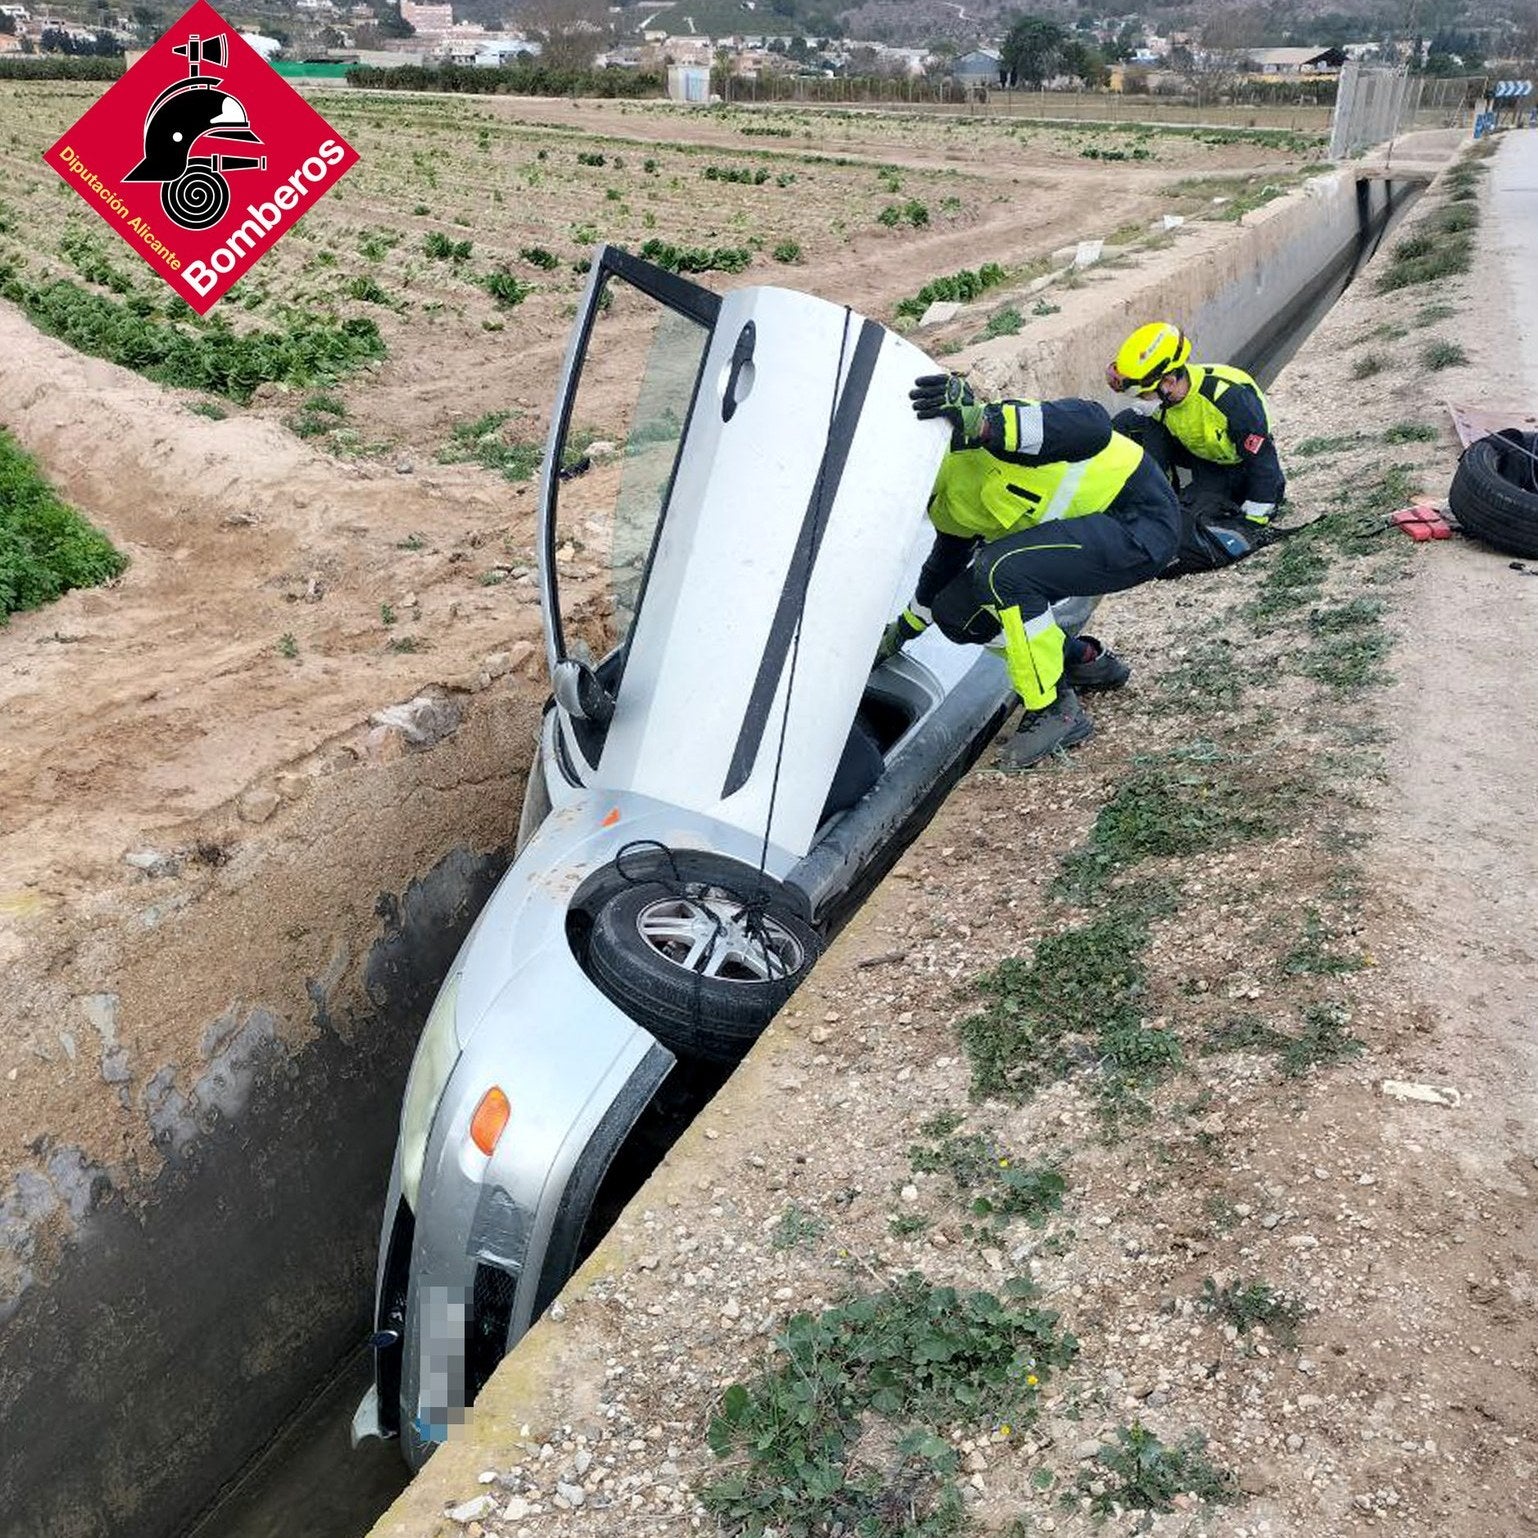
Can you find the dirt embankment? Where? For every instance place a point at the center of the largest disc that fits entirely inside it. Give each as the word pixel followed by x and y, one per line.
pixel 1282 878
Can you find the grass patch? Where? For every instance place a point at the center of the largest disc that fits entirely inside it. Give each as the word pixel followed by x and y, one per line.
pixel 787 251
pixel 210 409
pixel 796 1227
pixel 1348 661
pixel 288 647
pixel 1453 219
pixel 1424 259
pixel 46 547
pixel 1138 1472
pixel 844 1432
pixel 1254 1306
pixel 209 356
pixel 484 442
pixel 1000 1189
pixel 1005 322
pixel 1313 956
pixel 1323 1040
pixel 1189 801
pixel 1410 432
pixel 1442 354
pixel 1310 447
pixel 1368 364
pixel 1212 675
pixel 1078 1003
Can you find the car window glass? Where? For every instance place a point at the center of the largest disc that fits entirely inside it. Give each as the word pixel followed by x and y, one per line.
pixel 627 419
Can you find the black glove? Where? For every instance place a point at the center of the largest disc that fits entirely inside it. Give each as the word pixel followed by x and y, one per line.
pixel 906 627
pixel 949 396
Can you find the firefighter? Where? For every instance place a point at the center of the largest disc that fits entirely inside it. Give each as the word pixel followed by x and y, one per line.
pixel 1211 421
pixel 1037 501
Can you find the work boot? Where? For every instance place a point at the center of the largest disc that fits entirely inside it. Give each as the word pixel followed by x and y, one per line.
pixel 1100 669
pixel 1042 732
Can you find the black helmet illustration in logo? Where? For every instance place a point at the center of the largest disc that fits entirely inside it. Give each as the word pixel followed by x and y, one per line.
pixel 193 190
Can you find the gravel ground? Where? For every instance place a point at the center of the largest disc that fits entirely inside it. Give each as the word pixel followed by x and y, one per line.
pixel 1262 1243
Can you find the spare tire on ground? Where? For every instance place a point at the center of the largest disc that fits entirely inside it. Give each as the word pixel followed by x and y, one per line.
pixel 1495 491
pixel 703 971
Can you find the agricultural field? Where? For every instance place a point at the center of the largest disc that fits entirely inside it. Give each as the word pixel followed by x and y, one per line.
pixel 422 308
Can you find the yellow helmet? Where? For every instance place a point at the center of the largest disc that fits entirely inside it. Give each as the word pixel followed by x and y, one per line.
pixel 1151 352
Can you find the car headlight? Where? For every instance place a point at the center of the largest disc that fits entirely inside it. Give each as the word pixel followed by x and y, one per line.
pixel 436 1054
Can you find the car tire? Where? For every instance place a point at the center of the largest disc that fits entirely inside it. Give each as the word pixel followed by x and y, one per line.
pixel 1489 493
pixel 691 971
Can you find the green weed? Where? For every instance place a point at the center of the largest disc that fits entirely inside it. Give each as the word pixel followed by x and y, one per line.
pixel 1368 365
pixel 287 646
pixel 538 256
pixel 46 547
pixel 915 1360
pixel 1189 801
pixel 1424 258
pixel 1313 956
pixel 1312 446
pixel 1442 354
pixel 1005 322
pixel 210 409
pixel 1254 1305
pixel 386 614
pixel 366 289
pixel 1139 1472
pixel 1078 1003
pixel 1410 432
pixel 1000 1188
pixel 484 443
pixel 787 251
pixel 407 644
pixel 1323 1039
pixel 796 1227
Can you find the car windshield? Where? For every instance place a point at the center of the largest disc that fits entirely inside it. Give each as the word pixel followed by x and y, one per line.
pixel 627 418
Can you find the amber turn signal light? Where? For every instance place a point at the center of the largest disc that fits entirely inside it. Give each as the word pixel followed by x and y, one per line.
pixel 490 1119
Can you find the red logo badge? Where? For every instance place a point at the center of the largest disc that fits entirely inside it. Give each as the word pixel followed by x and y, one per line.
pixel 1254 443
pixel 201 156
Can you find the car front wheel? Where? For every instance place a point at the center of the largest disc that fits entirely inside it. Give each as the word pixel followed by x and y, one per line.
pixel 700 968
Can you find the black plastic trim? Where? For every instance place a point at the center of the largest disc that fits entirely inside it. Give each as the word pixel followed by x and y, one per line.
pixel 798 574
pixel 591 1166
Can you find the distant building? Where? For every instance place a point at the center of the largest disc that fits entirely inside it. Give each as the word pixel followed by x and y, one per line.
pixel 428 18
pixel 1295 61
pixel 689 83
pixel 500 52
pixel 980 67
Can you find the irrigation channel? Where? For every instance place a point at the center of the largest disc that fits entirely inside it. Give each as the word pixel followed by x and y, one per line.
pixel 253 1441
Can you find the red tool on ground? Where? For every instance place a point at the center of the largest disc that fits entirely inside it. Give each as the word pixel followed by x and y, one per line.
pixel 1422 520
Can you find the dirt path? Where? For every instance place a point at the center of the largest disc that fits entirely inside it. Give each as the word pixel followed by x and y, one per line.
pixel 1319 881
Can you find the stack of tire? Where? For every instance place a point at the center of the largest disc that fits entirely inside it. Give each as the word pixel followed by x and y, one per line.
pixel 1495 491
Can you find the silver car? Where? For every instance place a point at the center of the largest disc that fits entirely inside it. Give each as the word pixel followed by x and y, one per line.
pixel 733 508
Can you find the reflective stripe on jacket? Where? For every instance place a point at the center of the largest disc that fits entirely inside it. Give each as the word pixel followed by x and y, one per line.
pixel 1200 422
pixel 978 494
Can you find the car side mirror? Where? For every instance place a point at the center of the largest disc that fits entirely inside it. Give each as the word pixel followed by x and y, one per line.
pixel 579 693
